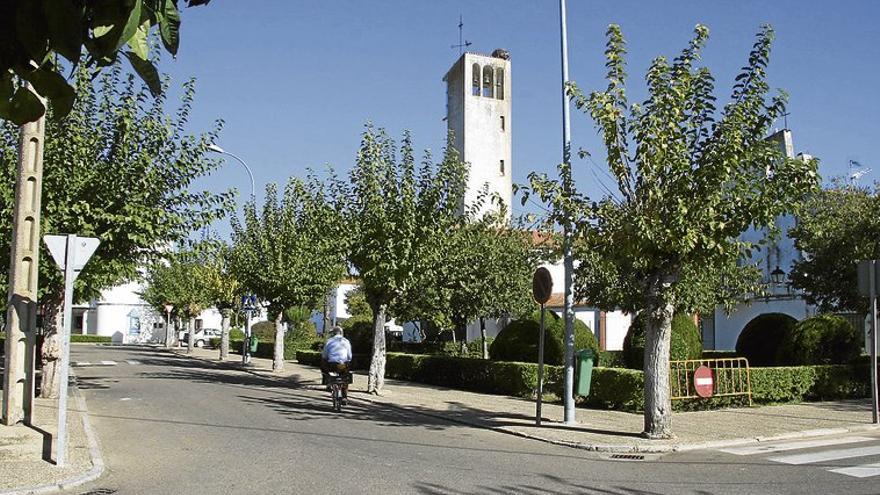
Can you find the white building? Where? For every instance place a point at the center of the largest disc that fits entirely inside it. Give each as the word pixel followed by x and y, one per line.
pixel 478 112
pixel 721 330
pixel 121 314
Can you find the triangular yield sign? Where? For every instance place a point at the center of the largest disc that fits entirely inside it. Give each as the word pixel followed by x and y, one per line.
pixel 57 245
pixel 85 248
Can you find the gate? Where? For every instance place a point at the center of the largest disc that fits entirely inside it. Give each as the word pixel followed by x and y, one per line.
pixel 731 378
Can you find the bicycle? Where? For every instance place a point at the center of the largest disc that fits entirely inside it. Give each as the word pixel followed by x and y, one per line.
pixel 336 380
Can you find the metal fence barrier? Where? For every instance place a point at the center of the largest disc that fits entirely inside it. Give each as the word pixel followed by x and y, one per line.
pixel 731 377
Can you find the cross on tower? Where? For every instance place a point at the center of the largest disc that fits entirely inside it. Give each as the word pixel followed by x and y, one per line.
pixel 785 119
pixel 461 44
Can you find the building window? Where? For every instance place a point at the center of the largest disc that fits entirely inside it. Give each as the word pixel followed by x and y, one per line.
pixel 499 83
pixel 501 167
pixel 503 127
pixel 488 82
pixel 475 80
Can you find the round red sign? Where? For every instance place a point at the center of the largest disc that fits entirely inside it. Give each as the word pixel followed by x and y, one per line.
pixel 704 381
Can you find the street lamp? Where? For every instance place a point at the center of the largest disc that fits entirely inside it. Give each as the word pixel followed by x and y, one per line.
pixel 777 276
pixel 216 149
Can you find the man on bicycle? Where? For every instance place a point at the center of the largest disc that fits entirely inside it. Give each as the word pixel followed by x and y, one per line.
pixel 337 357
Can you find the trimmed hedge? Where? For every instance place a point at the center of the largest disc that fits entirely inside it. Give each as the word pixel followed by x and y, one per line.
pixel 313 358
pixel 760 339
pixel 104 339
pixel 611 359
pixel 685 342
pixel 821 339
pixel 518 341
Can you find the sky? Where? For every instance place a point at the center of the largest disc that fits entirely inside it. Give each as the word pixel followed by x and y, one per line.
pixel 296 81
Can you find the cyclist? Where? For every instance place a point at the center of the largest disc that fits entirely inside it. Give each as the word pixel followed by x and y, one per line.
pixel 337 357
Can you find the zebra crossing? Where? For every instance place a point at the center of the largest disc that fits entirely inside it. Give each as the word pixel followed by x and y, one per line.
pixel 84 364
pixel 855 450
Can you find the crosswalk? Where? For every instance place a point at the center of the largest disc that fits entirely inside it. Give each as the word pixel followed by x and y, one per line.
pixel 855 450
pixel 83 364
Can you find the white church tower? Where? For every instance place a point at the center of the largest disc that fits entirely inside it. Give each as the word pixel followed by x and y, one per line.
pixel 478 107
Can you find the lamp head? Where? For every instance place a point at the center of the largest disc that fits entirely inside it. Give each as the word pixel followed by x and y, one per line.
pixel 216 149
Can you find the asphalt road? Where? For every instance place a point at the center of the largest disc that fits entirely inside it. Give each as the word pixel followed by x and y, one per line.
pixel 173 425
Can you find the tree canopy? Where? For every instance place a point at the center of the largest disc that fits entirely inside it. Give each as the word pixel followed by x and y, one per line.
pixel 121 168
pixel 689 183
pixel 839 226
pixel 34 33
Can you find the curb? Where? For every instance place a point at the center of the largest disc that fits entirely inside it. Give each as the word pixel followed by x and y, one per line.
pixel 94 453
pixel 608 448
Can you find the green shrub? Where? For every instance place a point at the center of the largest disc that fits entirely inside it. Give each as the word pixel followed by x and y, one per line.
pixel 236 334
pixel 685 342
pixel 760 339
pixel 302 335
pixel 105 339
pixel 616 388
pixel 518 341
pixel 821 339
pixel 360 334
pixel 799 383
pixel 611 359
pixel 264 330
pixel 313 358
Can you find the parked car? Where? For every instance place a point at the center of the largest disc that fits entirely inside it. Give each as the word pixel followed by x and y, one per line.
pixel 202 337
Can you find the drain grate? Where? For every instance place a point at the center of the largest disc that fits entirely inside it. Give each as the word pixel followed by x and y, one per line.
pixel 628 457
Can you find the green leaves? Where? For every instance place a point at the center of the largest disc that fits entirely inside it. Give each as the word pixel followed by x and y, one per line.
pixel 32 31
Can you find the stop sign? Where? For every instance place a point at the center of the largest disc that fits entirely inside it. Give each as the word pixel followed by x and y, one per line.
pixel 704 381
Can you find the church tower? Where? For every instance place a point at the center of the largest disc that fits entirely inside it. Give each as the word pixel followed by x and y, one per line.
pixel 478 107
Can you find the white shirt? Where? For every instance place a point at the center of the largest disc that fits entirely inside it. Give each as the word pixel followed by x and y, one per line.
pixel 337 350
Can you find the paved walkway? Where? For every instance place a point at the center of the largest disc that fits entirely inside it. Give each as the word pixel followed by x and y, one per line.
pixel 613 431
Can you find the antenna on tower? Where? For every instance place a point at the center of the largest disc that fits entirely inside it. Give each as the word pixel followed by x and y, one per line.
pixel 785 120
pixel 461 44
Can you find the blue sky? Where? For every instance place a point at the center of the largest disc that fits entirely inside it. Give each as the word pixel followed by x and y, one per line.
pixel 295 81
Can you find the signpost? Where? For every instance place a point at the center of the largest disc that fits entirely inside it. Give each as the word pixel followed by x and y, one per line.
pixel 542 287
pixel 249 304
pixel 869 281
pixel 71 253
pixel 169 336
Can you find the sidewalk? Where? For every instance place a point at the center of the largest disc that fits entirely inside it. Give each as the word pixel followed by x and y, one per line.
pixel 610 431
pixel 25 452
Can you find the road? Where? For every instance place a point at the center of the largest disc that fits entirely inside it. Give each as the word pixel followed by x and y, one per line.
pixel 173 425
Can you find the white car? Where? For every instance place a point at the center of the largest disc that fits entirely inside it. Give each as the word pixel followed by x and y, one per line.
pixel 202 337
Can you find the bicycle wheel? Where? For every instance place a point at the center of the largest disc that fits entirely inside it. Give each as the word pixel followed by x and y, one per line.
pixel 337 401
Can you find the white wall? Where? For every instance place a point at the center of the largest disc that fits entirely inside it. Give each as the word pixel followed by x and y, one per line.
pixel 616 325
pixel 728 327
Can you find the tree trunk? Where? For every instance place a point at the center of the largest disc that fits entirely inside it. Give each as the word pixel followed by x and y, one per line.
pixel 658 335
pixel 51 353
pixel 191 332
pixel 278 355
pixel 483 337
pixel 224 334
pixel 376 378
pixel 169 331
pixel 327 322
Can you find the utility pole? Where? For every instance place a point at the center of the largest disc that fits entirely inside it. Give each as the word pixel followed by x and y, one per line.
pixel 21 320
pixel 567 230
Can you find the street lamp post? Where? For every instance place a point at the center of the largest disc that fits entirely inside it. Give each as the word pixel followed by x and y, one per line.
pixel 216 149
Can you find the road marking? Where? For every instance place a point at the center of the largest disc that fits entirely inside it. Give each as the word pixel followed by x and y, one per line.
pixel 133 362
pixel 84 363
pixel 863 471
pixel 829 455
pixel 108 363
pixel 781 447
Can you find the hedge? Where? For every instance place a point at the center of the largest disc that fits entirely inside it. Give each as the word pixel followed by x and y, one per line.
pixel 820 339
pixel 313 358
pixel 614 388
pixel 106 339
pixel 518 341
pixel 685 341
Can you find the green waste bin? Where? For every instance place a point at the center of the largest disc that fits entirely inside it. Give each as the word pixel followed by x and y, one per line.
pixel 254 344
pixel 585 359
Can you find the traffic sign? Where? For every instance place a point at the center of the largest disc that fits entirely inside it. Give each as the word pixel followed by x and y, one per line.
pixel 542 285
pixel 866 270
pixel 704 381
pixel 84 248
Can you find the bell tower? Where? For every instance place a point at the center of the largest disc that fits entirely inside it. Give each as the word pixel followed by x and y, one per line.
pixel 478 104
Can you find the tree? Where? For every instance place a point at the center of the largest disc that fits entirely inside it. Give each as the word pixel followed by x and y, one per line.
pixel 492 266
pixel 839 227
pixel 121 170
pixel 397 217
pixel 177 280
pixel 294 252
pixel 34 33
pixel 689 185
pixel 222 287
